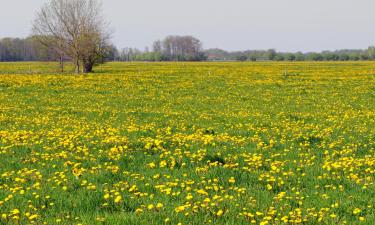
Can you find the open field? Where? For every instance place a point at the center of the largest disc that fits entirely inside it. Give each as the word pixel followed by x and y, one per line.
pixel 189 143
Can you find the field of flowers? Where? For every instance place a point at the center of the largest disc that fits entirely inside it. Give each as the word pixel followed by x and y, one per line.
pixel 188 143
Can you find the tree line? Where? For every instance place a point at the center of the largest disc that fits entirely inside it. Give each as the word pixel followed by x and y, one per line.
pixel 273 55
pixel 134 54
pixel 173 48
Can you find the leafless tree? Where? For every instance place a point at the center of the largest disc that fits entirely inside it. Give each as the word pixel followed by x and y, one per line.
pixel 74 28
pixel 157 46
pixel 176 48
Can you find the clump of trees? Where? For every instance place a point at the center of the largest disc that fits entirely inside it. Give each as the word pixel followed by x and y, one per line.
pixel 73 29
pixel 179 48
pixel 171 48
pixel 28 49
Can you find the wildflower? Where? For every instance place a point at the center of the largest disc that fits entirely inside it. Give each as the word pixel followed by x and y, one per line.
pixel 180 209
pixel 189 197
pixel 32 217
pixel 357 211
pixel 118 199
pixel 219 213
pixel 163 164
pixel 151 165
pixel 139 210
pixel 77 172
pixel 15 211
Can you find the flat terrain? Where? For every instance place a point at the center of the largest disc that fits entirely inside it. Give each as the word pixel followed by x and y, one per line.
pixel 189 143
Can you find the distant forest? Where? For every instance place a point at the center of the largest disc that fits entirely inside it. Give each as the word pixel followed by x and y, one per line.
pixel 176 48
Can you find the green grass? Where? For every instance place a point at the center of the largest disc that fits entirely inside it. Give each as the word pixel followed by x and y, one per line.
pixel 298 139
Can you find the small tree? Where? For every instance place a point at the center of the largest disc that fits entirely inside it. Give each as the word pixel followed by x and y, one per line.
pixel 271 54
pixel 74 28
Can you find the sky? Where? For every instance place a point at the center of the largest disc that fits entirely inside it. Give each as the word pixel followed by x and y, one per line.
pixel 285 25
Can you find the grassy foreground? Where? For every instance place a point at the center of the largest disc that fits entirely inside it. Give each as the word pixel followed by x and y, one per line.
pixel 188 143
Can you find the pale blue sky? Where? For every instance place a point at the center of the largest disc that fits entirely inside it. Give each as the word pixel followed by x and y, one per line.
pixel 286 25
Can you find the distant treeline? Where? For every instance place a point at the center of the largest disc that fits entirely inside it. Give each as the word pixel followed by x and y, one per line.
pixel 272 55
pixel 176 48
pixel 30 49
pixel 17 49
pixel 172 48
pixel 133 54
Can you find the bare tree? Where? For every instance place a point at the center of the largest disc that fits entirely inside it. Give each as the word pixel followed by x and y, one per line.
pixel 74 28
pixel 157 46
pixel 180 48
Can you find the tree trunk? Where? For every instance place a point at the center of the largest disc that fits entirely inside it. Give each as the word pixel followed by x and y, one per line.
pixel 61 64
pixel 87 67
pixel 77 69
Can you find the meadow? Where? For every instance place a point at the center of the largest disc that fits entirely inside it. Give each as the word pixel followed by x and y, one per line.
pixel 188 143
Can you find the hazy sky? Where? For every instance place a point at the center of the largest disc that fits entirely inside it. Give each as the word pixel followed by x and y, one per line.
pixel 286 25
